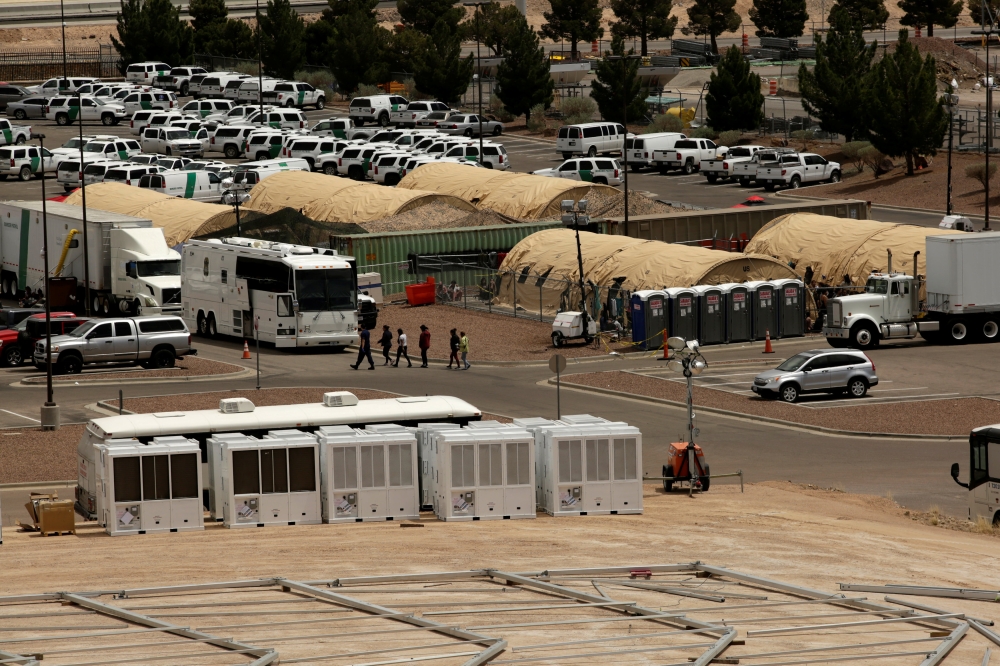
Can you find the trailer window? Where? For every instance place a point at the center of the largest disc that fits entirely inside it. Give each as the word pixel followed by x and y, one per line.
pixel 158 268
pixel 326 289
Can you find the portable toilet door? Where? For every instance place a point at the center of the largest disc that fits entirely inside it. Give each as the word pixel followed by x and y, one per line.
pixel 791 307
pixel 737 307
pixel 764 313
pixel 649 319
pixel 711 315
pixel 683 313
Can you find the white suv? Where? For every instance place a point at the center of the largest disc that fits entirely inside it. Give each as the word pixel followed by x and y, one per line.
pixel 377 108
pixel 295 93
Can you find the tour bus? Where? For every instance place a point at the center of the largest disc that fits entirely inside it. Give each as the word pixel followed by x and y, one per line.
pixel 298 296
pixel 984 474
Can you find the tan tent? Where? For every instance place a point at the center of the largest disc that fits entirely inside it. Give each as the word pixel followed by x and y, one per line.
pixel 836 247
pixel 179 218
pixel 328 199
pixel 631 263
pixel 519 195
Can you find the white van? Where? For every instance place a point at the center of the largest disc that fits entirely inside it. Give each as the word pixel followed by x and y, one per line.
pixel 145 72
pixel 248 174
pixel 214 85
pixel 247 92
pixel 639 148
pixel 377 108
pixel 196 185
pixel 589 139
pixel 230 141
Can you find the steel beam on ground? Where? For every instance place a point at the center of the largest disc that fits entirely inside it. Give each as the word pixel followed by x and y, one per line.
pixel 666 590
pixel 840 625
pixel 488 654
pixel 15 658
pixel 917 591
pixel 624 637
pixel 400 578
pixel 173 589
pixel 715 650
pixel 986 657
pixel 612 653
pixel 946 646
pixel 604 571
pixel 665 617
pixel 991 635
pixel 531 608
pixel 828 660
pixel 854 646
pixel 936 611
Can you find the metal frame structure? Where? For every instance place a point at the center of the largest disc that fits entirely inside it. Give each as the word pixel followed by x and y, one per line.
pixel 550 617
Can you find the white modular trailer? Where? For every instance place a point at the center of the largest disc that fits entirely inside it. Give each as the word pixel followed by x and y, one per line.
pixel 425 433
pixel 369 475
pixel 338 407
pixel 586 465
pixel 483 473
pixel 147 488
pixel 269 481
pixel 962 273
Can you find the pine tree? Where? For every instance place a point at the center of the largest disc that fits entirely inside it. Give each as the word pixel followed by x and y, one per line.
pixel 573 20
pixel 282 33
pixel 497 25
pixel 617 88
pixel 832 91
pixel 779 18
pixel 150 29
pixel 424 15
pixel 712 18
pixel 906 118
pixel 734 100
pixel 920 13
pixel 439 68
pixel 523 78
pixel 867 14
pixel 357 50
pixel 976 10
pixel 645 19
pixel 132 31
pixel 217 34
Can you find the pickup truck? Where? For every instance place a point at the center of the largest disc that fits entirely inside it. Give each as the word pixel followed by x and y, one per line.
pixel 414 111
pixel 746 172
pixel 295 94
pixel 16 134
pixel 170 141
pixel 722 167
pixel 152 342
pixel 687 154
pixel 793 170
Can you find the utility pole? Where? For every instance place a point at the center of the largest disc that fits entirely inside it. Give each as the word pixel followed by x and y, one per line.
pixel 83 195
pixel 478 77
pixel 62 21
pixel 573 213
pixel 50 410
pixel 623 59
pixel 260 70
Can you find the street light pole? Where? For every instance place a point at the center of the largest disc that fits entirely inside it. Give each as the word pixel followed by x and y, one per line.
pixel 260 70
pixel 62 21
pixel 623 60
pixel 575 212
pixel 50 410
pixel 83 195
pixel 478 77
pixel 951 100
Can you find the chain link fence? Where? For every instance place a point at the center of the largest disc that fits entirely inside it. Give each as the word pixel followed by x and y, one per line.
pixel 18 65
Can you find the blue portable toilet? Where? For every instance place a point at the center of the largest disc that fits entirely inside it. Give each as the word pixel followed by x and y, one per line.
pixel 649 318
pixel 763 309
pixel 683 312
pixel 736 303
pixel 711 315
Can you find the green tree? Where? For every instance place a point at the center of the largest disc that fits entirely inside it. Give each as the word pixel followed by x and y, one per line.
pixel 779 18
pixel 217 34
pixel 282 35
pixel 438 66
pixel 523 78
pixel 906 118
pixel 357 49
pixel 832 91
pixel 734 100
pixel 573 20
pixel 867 14
pixel 497 25
pixel 317 39
pixel 976 9
pixel 712 18
pixel 920 13
pixel 644 19
pixel 149 29
pixel 617 88
pixel 424 15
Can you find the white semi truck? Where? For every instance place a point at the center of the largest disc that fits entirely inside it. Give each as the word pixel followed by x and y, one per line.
pixel 132 270
pixel 298 296
pixel 962 303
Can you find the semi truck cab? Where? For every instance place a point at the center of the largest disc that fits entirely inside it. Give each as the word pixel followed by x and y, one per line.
pixel 886 310
pixel 146 273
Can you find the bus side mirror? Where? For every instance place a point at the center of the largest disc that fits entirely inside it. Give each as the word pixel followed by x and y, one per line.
pixel 954 475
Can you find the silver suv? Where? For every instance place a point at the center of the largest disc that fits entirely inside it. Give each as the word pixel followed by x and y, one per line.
pixel 153 342
pixel 818 371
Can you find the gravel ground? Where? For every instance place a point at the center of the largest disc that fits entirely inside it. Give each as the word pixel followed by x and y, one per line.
pixel 33 454
pixel 491 337
pixel 931 417
pixel 189 366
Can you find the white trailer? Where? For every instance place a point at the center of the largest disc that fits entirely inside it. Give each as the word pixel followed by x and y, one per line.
pixel 299 296
pixel 132 269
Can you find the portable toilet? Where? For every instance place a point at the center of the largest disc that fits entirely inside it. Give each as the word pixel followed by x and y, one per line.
pixel 649 318
pixel 148 488
pixel 711 315
pixel 269 481
pixel 368 474
pixel 484 473
pixel 763 310
pixel 683 313
pixel 791 307
pixel 735 302
pixel 425 458
pixel 587 468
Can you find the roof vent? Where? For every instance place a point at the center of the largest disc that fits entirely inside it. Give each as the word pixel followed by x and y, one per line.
pixel 340 399
pixel 235 405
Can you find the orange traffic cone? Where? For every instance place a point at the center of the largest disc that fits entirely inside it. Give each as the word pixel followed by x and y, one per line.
pixel 767 342
pixel 246 349
pixel 664 344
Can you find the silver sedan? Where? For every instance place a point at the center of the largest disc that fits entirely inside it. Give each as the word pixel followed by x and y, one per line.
pixel 468 125
pixel 29 107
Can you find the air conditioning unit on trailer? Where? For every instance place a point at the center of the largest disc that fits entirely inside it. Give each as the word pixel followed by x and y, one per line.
pixel 425 443
pixel 586 466
pixel 368 474
pixel 146 488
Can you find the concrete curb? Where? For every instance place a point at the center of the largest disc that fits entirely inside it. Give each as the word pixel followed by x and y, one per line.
pixel 762 419
pixel 240 374
pixel 877 205
pixel 38 484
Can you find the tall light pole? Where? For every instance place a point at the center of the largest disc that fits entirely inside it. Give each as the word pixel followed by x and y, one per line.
pixel 83 195
pixel 623 60
pixel 687 359
pixel 62 21
pixel 986 24
pixel 478 77
pixel 574 213
pixel 50 410
pixel 951 101
pixel 260 70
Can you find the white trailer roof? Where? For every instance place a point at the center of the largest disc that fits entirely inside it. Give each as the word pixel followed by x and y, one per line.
pixel 76 213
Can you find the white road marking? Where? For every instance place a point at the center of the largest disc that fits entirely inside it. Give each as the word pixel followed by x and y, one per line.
pixel 902 398
pixel 913 388
pixel 21 415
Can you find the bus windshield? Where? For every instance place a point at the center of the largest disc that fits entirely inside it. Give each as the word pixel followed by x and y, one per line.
pixel 325 289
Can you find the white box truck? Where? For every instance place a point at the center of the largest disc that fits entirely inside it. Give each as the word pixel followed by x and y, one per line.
pixel 131 268
pixel 962 305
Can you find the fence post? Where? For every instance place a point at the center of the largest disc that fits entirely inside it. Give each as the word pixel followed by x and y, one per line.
pixel 465 288
pixel 539 301
pixel 513 282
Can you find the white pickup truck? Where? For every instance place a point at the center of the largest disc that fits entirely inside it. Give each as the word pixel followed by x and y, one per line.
pixel 415 111
pixel 171 141
pixel 722 167
pixel 746 172
pixel 13 134
pixel 687 154
pixel 295 94
pixel 797 168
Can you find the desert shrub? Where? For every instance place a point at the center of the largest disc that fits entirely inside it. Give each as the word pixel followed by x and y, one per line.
pixel 536 123
pixel 852 151
pixel 730 137
pixel 704 132
pixel 665 122
pixel 500 111
pixel 875 160
pixel 577 110
pixel 978 172
pixel 367 90
pixel 246 68
pixel 319 79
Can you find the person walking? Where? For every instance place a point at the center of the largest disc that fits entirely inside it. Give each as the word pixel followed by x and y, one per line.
pixel 364 349
pixel 463 346
pixel 453 343
pixel 386 342
pixel 401 349
pixel 425 344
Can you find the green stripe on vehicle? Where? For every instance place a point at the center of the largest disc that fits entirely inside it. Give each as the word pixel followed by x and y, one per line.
pixel 74 111
pixel 35 161
pixel 586 175
pixel 302 96
pixel 22 269
pixel 275 125
pixel 8 136
pixel 339 134
pixel 123 155
pixel 146 106
pixel 189 189
pixel 274 150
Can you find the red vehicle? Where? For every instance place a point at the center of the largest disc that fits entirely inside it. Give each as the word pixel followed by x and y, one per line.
pixel 18 343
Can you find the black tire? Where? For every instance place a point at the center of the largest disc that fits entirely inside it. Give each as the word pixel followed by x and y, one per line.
pixel 202 325
pixel 290 105
pixel 468 132
pixel 185 89
pixel 107 119
pixel 13 356
pixel 789 392
pixel 210 327
pixel 498 130
pixel 688 168
pixel 383 119
pixel 162 358
pixel 706 482
pixel 667 474
pixel 933 337
pixel 20 141
pixel 592 152
pixel 262 156
pixel 392 179
pixel 989 330
pixel 863 336
pixel 558 340
pixel 359 123
pixel 957 331
pixel 321 103
pixel 232 152
pixel 330 169
pixel 488 165
pixel 70 364
pixel 769 187
pixel 166 151
pixel 796 183
pixel 601 181
pixel 836 343
pixel 136 308
pixel 24 174
pixel 744 182
pixel 354 172
pixel 835 177
pixel 712 178
pixel 857 387
pixel 62 119
pixel 312 163
pixel 567 156
pixel 20 114
pixel 3 176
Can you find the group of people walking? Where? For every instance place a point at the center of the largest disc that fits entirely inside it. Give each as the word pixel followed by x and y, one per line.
pixel 459 343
